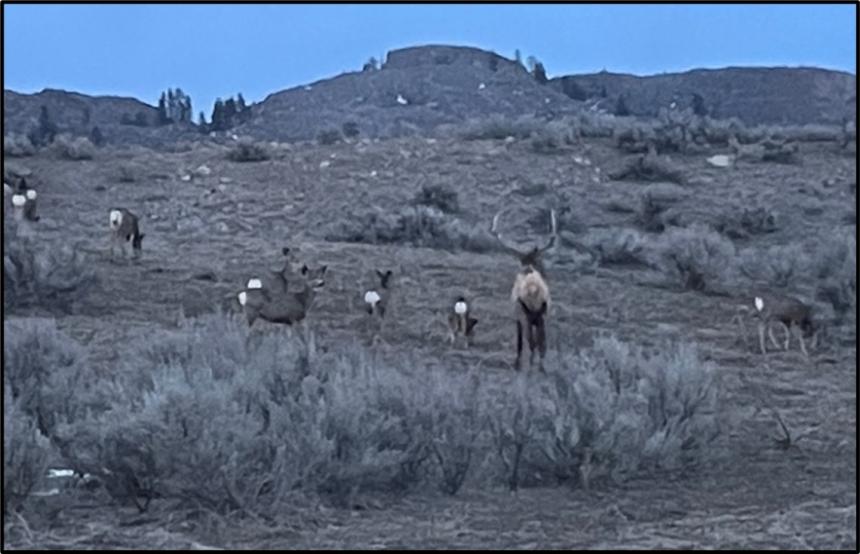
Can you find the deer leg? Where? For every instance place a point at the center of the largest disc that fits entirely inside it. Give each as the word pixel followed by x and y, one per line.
pixel 799 334
pixel 532 343
pixel 519 344
pixel 761 326
pixel 541 340
pixel 771 335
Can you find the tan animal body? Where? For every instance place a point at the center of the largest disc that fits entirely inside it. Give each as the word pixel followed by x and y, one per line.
pixel 530 293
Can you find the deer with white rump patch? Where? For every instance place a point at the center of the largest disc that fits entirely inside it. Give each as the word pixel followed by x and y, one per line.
pixel 460 321
pixel 279 305
pixel 24 205
pixel 530 293
pixel 791 314
pixel 124 226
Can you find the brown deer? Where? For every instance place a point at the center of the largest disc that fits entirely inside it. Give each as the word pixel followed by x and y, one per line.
pixel 24 204
pixel 277 281
pixel 794 316
pixel 124 226
pixel 282 306
pixel 460 321
pixel 377 300
pixel 530 293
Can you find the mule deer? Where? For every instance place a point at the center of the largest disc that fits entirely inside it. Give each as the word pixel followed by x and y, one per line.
pixel 460 321
pixel 24 205
pixel 791 314
pixel 282 306
pixel 530 293
pixel 377 300
pixel 277 281
pixel 124 226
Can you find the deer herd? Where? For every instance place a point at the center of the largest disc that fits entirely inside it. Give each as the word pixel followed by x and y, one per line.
pixel 286 296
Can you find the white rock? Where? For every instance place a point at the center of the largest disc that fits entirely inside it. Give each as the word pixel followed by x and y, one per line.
pixel 721 160
pixel 402 101
pixel 324 164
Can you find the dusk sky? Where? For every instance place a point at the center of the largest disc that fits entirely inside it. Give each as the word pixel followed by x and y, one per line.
pixel 219 50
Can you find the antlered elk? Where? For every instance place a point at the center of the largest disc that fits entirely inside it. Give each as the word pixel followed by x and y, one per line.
pixel 530 293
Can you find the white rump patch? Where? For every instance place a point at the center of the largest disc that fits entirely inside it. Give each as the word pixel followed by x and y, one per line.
pixel 18 200
pixel 243 298
pixel 31 194
pixel 482 86
pixel 371 297
pixel 759 303
pixel 402 101
pixel 460 308
pixel 254 284
pixel 54 473
pixel 115 218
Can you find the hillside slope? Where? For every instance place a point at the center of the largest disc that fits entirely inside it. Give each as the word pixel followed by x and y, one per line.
pixel 440 84
pixel 753 94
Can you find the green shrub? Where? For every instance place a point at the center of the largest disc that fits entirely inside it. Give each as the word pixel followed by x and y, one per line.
pixel 696 257
pixel 36 274
pixel 618 246
pixel 15 144
pixel 608 412
pixel 328 137
pixel 419 225
pixel 248 152
pixel 500 128
pixel 26 454
pixel 41 365
pixel 440 196
pixel 78 148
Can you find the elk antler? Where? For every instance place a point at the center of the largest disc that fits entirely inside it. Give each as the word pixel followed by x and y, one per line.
pixel 507 245
pixel 523 253
pixel 553 233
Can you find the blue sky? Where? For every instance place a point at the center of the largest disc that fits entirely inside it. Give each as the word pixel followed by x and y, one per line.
pixel 220 50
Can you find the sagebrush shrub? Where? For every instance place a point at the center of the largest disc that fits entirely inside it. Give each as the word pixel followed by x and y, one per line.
pixel 35 273
pixel 248 152
pixel 15 144
pixel 418 225
pixel 41 365
pixel 439 196
pixel 696 257
pixel 26 454
pixel 77 148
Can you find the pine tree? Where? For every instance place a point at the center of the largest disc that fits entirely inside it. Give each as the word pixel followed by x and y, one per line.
pixel 240 103
pixel 229 112
pixel 163 119
pixel 539 73
pixel 217 119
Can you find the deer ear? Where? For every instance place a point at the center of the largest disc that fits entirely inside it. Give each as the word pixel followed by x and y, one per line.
pixel 388 273
pixel 380 274
pixel 323 268
pixel 304 269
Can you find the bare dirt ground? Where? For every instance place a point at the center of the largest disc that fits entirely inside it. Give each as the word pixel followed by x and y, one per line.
pixel 201 246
